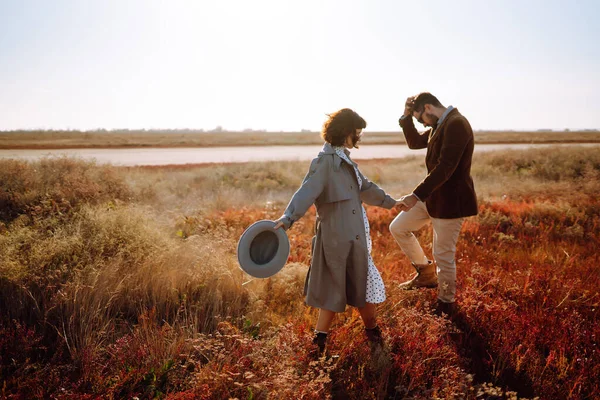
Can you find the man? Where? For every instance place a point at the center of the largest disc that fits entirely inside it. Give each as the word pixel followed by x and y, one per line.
pixel 445 197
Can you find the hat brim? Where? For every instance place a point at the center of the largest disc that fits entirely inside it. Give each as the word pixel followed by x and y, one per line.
pixel 275 264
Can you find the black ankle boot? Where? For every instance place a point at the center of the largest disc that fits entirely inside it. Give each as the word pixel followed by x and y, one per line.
pixel 320 339
pixel 374 335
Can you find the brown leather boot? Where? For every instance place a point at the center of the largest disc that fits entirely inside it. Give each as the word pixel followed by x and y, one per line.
pixel 447 310
pixel 426 277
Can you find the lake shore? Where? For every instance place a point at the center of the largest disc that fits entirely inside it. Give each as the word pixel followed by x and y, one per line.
pixel 148 156
pixel 124 139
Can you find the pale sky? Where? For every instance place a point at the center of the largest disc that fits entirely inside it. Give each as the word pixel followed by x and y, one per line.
pixel 281 65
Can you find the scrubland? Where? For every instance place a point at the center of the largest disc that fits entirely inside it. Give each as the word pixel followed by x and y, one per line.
pixel 123 282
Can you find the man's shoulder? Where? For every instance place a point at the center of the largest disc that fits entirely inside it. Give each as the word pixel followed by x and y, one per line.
pixel 457 120
pixel 455 114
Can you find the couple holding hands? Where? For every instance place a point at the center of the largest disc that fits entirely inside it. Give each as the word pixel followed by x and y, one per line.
pixel 342 270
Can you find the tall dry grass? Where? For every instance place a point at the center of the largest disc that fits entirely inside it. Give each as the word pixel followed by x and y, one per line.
pixel 123 282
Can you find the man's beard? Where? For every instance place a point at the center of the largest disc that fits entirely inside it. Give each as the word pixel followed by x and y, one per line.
pixel 434 120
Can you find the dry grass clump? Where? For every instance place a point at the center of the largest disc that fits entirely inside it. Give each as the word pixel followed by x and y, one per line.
pixel 551 164
pixel 200 189
pixel 79 275
pixel 52 187
pixel 532 174
pixel 553 173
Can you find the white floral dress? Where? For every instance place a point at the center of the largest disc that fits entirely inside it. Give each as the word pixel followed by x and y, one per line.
pixel 375 287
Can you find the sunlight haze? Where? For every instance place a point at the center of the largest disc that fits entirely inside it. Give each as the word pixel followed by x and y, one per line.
pixel 281 65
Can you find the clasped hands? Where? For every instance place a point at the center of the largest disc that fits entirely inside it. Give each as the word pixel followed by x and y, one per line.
pixel 407 202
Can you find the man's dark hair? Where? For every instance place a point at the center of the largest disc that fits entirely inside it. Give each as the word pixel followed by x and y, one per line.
pixel 340 125
pixel 425 98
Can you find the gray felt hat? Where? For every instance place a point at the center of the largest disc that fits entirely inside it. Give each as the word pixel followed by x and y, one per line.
pixel 262 251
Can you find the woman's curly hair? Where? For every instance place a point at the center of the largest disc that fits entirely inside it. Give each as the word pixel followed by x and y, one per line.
pixel 340 125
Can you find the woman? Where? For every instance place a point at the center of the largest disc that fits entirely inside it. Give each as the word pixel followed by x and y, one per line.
pixel 342 271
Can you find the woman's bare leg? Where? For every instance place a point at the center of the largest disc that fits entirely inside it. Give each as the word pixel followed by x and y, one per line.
pixel 325 320
pixel 368 313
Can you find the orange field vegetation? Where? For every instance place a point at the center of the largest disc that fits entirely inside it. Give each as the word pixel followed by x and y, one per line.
pixel 122 283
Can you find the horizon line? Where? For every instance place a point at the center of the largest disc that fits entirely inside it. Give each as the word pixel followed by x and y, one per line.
pixel 249 130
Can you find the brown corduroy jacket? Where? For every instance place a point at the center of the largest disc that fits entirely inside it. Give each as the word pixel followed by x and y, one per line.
pixel 448 189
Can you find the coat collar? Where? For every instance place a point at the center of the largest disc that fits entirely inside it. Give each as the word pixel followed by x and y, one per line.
pixel 337 161
pixel 450 115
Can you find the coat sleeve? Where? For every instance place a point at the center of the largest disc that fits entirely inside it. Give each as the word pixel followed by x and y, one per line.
pixel 312 186
pixel 373 195
pixel 454 143
pixel 414 139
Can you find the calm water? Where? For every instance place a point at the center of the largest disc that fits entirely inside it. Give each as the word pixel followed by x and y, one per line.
pixel 145 156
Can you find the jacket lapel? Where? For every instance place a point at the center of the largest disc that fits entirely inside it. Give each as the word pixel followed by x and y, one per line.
pixel 436 130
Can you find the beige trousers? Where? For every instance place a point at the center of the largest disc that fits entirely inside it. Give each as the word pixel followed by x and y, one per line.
pixel 445 236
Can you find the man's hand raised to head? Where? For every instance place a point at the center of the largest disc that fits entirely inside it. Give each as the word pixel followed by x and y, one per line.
pixel 408 107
